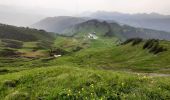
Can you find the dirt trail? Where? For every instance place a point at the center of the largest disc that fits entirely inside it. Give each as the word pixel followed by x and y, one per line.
pixel 150 74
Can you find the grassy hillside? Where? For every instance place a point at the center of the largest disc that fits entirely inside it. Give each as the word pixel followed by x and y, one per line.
pixel 87 69
pixel 25 42
pixel 70 83
pixel 105 54
pixel 23 34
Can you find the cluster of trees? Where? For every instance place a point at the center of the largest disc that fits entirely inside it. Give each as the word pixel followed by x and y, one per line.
pixel 152 45
pixel 134 41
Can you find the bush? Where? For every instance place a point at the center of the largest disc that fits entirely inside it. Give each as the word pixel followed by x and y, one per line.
pixel 76 49
pixel 154 46
pixel 8 52
pixel 159 49
pixel 3 71
pixel 57 51
pixel 134 41
pixel 10 83
pixel 150 43
pixel 12 43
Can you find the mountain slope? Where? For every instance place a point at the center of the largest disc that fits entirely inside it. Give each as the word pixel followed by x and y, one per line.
pixel 24 42
pixel 58 24
pixel 114 29
pixel 23 34
pixel 89 26
pixel 152 21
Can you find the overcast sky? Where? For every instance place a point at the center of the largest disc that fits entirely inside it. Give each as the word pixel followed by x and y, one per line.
pixel 79 6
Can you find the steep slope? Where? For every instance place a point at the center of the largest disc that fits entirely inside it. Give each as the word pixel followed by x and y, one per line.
pixel 25 42
pixel 114 29
pixel 89 26
pixel 58 24
pixel 152 21
pixel 23 34
pixel 102 70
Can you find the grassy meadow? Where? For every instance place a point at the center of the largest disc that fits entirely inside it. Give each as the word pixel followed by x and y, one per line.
pixel 101 69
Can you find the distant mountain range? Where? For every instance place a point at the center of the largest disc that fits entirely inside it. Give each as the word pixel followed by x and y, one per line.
pixel 58 24
pixel 152 21
pixel 24 16
pixel 71 26
pixel 102 28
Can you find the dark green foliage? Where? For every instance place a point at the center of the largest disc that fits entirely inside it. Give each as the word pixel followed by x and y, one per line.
pixel 23 34
pixel 78 48
pixel 154 46
pixel 158 49
pixel 43 45
pixel 11 83
pixel 150 43
pixel 2 71
pixel 134 41
pixel 12 43
pixel 8 52
pixel 57 51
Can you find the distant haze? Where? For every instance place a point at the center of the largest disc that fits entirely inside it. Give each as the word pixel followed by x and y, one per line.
pixel 28 12
pixel 79 6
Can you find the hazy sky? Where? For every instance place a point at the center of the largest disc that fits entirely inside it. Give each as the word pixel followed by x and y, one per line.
pixel 78 6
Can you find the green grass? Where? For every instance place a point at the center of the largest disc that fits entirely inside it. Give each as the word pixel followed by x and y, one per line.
pixel 102 54
pixel 101 70
pixel 105 54
pixel 76 83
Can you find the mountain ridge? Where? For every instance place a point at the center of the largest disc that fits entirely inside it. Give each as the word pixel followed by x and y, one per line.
pixel 58 24
pixel 23 33
pixel 124 32
pixel 152 21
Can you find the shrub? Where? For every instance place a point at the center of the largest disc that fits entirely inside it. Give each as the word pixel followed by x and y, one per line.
pixel 76 49
pixel 134 41
pixel 159 49
pixel 3 71
pixel 154 46
pixel 8 52
pixel 57 51
pixel 150 43
pixel 12 43
pixel 10 83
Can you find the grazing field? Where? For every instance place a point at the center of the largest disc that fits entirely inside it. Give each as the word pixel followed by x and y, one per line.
pixel 87 69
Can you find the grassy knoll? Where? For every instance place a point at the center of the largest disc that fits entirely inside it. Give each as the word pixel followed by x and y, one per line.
pixel 71 83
